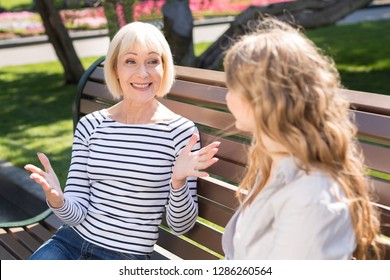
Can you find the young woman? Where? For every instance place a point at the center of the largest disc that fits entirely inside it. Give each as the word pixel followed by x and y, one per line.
pixel 130 163
pixel 306 191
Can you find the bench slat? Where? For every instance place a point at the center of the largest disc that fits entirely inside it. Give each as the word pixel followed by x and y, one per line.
pixel 229 149
pixel 376 157
pixel 204 116
pixel 217 191
pixel 182 248
pixel 373 125
pixel 38 232
pixel 227 170
pixel 13 246
pixel 97 90
pixel 4 254
pixel 24 238
pixel 373 103
pixel 194 92
pixel 202 76
pixel 98 74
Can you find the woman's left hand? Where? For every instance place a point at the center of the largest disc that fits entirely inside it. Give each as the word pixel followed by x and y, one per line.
pixel 191 163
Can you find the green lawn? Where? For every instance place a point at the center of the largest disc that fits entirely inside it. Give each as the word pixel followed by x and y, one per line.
pixel 361 52
pixel 36 113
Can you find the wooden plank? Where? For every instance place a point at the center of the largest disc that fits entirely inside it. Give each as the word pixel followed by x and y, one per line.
pixel 198 234
pixel 368 102
pixel 97 90
pixel 218 191
pixel 202 76
pixel 216 213
pixel 88 106
pixel 228 170
pixel 98 75
pixel 5 255
pixel 38 232
pixel 182 248
pixel 381 191
pixel 52 223
pixel 373 125
pixel 229 149
pixel 13 246
pixel 199 93
pixel 213 240
pixel 25 238
pixel 376 157
pixel 216 119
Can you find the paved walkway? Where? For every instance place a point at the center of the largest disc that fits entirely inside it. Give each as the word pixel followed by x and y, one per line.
pixel 96 43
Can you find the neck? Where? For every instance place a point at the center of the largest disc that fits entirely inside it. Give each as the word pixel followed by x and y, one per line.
pixel 131 112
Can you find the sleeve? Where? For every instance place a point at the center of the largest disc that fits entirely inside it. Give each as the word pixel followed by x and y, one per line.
pixel 182 209
pixel 77 188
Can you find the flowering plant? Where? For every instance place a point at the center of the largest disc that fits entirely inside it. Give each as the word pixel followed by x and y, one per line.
pixel 27 23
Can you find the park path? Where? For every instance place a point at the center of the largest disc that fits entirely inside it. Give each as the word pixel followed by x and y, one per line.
pixel 95 43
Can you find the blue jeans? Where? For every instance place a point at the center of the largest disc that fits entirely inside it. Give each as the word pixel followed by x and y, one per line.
pixel 66 244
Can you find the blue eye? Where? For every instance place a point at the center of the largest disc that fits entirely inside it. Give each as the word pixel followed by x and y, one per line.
pixel 130 61
pixel 154 61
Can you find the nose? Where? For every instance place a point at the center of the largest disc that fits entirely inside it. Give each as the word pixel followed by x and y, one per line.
pixel 143 71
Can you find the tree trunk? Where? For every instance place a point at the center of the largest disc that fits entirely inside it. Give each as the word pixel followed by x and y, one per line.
pixel 61 41
pixel 118 14
pixel 308 14
pixel 178 26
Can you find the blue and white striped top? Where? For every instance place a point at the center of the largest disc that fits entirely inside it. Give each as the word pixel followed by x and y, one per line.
pixel 118 186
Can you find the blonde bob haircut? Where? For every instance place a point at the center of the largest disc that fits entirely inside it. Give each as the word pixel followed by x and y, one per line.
pixel 138 35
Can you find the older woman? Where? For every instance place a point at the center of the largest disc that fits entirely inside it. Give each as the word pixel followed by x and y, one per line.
pixel 130 162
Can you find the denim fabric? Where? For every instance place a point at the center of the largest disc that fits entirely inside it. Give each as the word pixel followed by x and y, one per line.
pixel 66 244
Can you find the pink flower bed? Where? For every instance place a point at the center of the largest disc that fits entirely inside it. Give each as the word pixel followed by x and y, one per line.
pixel 27 23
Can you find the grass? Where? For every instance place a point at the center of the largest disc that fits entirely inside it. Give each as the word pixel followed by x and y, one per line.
pixel 361 52
pixel 37 108
pixel 38 115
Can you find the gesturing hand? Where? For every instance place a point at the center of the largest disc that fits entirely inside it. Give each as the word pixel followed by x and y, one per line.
pixel 48 180
pixel 190 163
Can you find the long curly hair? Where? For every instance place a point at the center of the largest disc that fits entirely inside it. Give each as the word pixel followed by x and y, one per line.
pixel 293 90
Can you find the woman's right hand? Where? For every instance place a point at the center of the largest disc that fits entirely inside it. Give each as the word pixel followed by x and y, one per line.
pixel 48 180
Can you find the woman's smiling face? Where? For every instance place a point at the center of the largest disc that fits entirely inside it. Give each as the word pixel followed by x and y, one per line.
pixel 140 73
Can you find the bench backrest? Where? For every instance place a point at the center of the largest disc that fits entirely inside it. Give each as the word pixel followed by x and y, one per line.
pixel 199 95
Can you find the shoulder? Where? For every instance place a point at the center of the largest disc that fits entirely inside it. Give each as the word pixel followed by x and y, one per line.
pixel 88 123
pixel 313 189
pixel 93 118
pixel 180 123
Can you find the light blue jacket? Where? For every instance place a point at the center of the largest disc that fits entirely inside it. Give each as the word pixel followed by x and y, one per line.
pixel 296 216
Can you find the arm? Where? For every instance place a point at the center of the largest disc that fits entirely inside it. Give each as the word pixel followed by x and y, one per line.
pixel 72 205
pixel 182 209
pixel 77 187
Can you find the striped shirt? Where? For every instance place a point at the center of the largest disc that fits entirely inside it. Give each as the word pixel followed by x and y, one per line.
pixel 118 186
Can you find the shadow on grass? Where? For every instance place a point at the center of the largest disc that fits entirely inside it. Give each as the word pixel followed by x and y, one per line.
pixel 361 53
pixel 34 99
pixel 36 115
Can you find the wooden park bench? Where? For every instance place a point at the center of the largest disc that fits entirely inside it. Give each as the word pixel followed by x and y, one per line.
pixel 199 95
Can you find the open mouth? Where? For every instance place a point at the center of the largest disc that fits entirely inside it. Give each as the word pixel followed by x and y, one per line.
pixel 141 86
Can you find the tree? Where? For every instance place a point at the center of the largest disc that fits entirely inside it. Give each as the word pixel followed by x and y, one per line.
pixel 308 14
pixel 59 38
pixel 118 13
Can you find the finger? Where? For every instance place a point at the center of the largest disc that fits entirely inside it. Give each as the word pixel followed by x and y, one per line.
pixel 45 162
pixel 200 174
pixel 206 164
pixel 207 156
pixel 191 143
pixel 42 181
pixel 209 147
pixel 33 169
